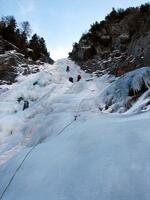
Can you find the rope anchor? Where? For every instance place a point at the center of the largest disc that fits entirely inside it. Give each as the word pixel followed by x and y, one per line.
pixel 76 116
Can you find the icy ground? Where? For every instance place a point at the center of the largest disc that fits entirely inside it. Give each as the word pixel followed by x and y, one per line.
pixel 98 156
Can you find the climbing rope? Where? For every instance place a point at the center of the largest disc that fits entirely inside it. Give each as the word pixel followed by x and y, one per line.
pixel 75 118
pixel 3 193
pixel 30 151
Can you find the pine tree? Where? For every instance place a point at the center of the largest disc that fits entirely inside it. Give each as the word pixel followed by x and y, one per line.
pixel 19 36
pixel 34 45
pixel 43 46
pixel 9 27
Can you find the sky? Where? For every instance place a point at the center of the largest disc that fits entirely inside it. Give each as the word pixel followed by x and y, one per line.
pixel 61 22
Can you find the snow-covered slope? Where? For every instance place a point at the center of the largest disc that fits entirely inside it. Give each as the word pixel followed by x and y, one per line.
pixel 53 101
pixel 64 147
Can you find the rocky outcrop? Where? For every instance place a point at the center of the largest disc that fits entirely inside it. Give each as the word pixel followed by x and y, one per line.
pixel 141 47
pixel 118 44
pixel 46 59
pixel 12 64
pixel 83 53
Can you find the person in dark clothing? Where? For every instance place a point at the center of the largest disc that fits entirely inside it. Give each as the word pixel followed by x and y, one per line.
pixel 67 69
pixel 20 99
pixel 71 79
pixel 79 77
pixel 26 105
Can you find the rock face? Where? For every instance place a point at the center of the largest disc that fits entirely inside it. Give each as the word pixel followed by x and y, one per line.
pixel 118 44
pixel 46 59
pixel 12 64
pixel 141 47
pixel 83 53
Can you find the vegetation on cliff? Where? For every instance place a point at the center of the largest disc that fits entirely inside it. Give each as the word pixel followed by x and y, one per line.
pixel 122 40
pixel 33 47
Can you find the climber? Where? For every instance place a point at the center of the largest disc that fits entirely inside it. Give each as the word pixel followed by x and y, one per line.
pixel 79 77
pixel 67 69
pixel 20 99
pixel 26 105
pixel 71 79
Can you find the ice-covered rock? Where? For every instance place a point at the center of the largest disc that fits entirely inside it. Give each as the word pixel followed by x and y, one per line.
pixel 125 91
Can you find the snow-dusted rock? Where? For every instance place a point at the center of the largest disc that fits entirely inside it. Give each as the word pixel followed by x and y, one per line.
pixel 13 64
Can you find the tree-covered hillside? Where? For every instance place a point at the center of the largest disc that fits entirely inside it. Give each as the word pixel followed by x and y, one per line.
pixel 12 33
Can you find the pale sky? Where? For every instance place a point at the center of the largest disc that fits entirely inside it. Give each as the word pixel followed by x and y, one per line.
pixel 61 22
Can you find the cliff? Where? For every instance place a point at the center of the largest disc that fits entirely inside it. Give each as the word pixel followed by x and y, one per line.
pixel 118 44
